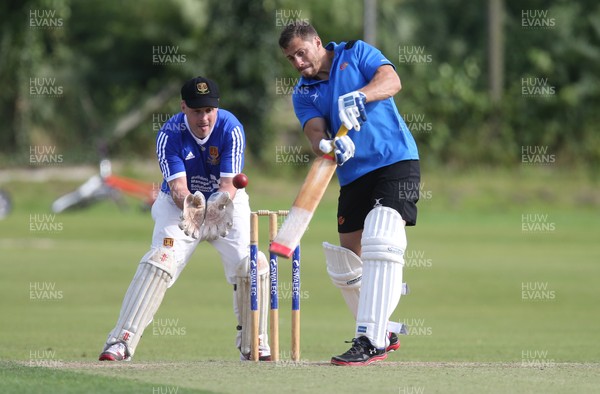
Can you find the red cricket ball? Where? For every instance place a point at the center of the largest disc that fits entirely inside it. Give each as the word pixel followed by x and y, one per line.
pixel 240 181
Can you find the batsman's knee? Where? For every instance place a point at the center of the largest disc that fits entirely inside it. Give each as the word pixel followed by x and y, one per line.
pixel 384 236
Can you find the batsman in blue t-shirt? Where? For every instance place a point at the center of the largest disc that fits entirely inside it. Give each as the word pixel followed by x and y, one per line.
pixel 353 84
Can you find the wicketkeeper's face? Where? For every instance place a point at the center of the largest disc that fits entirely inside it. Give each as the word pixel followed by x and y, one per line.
pixel 201 120
pixel 305 55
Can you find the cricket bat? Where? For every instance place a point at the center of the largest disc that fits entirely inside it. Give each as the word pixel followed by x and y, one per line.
pixel 306 203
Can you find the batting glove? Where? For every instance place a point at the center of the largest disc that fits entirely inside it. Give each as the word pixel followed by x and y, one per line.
pixel 344 149
pixel 351 108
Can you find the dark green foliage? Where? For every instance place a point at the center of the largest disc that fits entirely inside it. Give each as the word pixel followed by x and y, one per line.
pixel 102 58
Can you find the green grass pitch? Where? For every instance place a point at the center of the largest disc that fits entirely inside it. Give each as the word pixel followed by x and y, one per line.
pixel 503 270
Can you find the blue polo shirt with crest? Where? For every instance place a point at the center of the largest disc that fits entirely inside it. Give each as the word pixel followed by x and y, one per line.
pixel 202 161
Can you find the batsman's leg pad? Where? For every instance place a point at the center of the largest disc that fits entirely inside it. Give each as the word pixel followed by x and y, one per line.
pixel 242 308
pixel 345 270
pixel 143 297
pixel 383 246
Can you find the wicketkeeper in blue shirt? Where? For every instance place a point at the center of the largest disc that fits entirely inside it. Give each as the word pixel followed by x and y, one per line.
pixel 353 84
pixel 199 152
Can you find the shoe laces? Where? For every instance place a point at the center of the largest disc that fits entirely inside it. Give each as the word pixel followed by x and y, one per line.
pixel 358 346
pixel 118 348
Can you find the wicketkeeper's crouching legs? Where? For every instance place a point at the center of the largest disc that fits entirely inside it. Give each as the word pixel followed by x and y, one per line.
pixel 143 297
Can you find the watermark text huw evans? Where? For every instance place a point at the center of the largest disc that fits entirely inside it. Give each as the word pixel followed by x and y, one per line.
pixel 44 291
pixel 168 327
pixel 291 154
pixel 414 191
pixel 536 359
pixel 537 87
pixel 537 223
pixel 44 222
pixel 537 155
pixel 45 19
pixel 163 55
pixel 284 17
pixel 42 87
pixel 44 155
pixel 413 54
pixel 537 291
pixel 537 19
pixel 44 358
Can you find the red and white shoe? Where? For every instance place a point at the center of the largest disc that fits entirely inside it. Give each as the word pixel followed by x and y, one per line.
pixel 115 352
pixel 394 342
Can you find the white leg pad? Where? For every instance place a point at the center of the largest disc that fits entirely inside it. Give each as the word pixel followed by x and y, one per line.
pixel 143 297
pixel 242 308
pixel 383 246
pixel 345 270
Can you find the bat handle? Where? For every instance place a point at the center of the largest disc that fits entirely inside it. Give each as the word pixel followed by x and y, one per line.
pixel 342 131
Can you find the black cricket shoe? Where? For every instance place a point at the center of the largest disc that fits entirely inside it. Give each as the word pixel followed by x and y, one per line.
pixel 362 352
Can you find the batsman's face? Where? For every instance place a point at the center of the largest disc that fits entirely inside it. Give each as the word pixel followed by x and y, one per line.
pixel 305 56
pixel 201 120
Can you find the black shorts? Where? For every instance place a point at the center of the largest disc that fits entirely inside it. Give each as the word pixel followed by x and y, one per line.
pixel 396 186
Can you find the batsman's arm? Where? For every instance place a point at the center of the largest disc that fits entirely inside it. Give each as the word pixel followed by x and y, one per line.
pixel 179 190
pixel 315 130
pixel 306 203
pixel 384 84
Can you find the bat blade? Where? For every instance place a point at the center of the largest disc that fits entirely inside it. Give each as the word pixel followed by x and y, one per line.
pixel 306 203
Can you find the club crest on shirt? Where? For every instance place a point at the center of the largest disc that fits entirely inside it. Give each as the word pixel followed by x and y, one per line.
pixel 168 242
pixel 213 155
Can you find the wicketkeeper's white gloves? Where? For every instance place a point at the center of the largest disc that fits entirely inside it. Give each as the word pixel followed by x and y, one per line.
pixel 344 148
pixel 192 215
pixel 351 108
pixel 219 216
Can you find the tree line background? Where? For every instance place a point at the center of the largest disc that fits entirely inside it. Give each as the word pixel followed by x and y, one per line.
pixel 113 90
